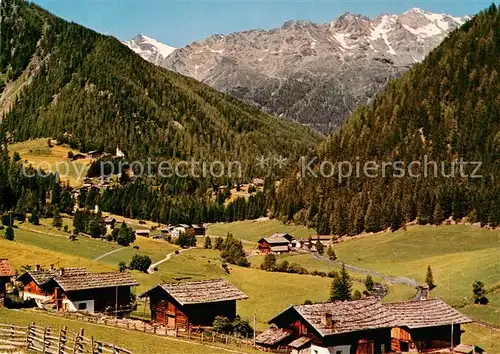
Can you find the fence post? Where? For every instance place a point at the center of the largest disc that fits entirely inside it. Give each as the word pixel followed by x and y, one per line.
pixel 44 339
pixel 62 340
pixel 202 333
pixel 81 342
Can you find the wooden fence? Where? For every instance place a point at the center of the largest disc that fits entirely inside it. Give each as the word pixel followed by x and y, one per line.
pixel 196 334
pixel 47 340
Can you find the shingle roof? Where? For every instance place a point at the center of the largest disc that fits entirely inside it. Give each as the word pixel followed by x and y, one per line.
pixel 275 240
pixel 272 336
pixel 425 313
pixel 300 342
pixel 351 316
pixel 347 316
pixel 279 248
pixel 6 269
pixel 44 275
pixel 95 281
pixel 198 292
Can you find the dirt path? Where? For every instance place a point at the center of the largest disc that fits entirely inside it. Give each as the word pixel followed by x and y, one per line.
pixel 111 252
pixel 388 278
pixel 167 257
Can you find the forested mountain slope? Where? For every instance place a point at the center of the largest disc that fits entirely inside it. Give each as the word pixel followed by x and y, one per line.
pixel 95 93
pixel 445 109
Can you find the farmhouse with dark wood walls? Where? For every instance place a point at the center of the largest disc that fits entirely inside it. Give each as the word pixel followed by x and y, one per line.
pixel 365 327
pixel 180 305
pixel 6 273
pixel 276 243
pixel 76 289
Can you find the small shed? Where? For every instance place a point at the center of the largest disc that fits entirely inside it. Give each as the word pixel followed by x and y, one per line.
pixel 143 233
pixel 273 338
pixel 180 305
pixel 6 273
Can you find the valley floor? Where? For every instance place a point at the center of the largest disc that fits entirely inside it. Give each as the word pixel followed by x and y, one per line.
pixel 458 255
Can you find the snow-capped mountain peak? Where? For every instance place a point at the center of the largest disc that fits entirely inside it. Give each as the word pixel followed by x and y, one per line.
pixel 149 48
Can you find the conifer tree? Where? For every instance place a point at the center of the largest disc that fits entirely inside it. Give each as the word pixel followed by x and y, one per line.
pixel 429 278
pixel 330 252
pixel 341 286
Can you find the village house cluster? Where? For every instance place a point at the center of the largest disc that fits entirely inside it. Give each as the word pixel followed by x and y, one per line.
pixel 341 327
pixel 284 243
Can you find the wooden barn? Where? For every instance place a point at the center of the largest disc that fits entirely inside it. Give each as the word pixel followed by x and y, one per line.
pixel 180 305
pixel 425 325
pixel 365 327
pixel 276 243
pixel 76 289
pixel 199 230
pixel 6 273
pixel 341 327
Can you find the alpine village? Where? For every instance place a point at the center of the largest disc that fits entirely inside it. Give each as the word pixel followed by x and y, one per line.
pixel 258 238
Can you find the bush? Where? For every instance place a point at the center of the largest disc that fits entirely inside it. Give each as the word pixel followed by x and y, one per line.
pixel 369 284
pixel 222 325
pixel 122 266
pixel 333 274
pixel 252 189
pixel 269 263
pixel 187 239
pixel 479 293
pixel 357 295
pixel 308 302
pixel 9 233
pixel 34 219
pixel 283 266
pixel 208 243
pixel 141 263
pixel 238 326
pixel 219 241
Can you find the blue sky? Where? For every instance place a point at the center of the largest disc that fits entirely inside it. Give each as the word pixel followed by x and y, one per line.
pixel 180 22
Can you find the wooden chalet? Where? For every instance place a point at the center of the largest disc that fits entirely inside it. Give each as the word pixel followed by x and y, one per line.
pixel 365 327
pixel 76 289
pixel 276 243
pixel 199 230
pixel 425 325
pixel 342 327
pixel 6 273
pixel 109 222
pixel 181 305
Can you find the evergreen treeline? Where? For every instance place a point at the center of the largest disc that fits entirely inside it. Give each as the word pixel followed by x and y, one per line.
pixel 446 108
pixel 23 190
pixel 94 93
pixel 175 203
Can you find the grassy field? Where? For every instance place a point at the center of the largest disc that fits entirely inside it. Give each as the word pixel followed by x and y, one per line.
pixel 39 154
pixel 458 255
pixel 253 230
pixel 485 338
pixel 49 238
pixel 135 341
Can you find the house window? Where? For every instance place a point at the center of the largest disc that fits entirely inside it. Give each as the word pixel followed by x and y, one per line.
pixel 82 306
pixel 338 352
